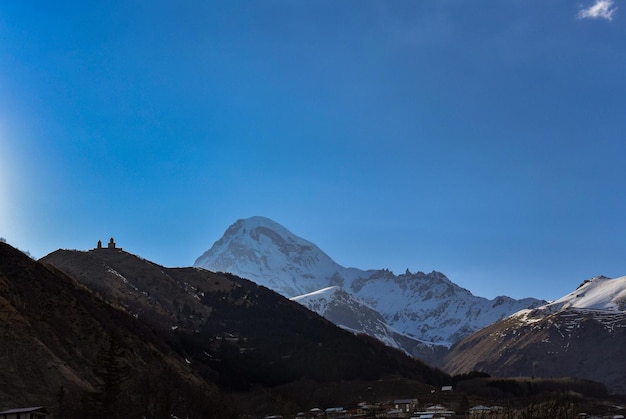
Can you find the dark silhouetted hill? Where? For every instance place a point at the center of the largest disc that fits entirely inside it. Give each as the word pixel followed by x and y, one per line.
pixel 238 334
pixel 63 347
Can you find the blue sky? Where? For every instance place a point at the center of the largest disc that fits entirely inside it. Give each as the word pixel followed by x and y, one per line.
pixel 482 139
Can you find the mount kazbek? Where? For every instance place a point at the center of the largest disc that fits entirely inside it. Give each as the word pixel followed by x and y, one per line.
pixel 420 313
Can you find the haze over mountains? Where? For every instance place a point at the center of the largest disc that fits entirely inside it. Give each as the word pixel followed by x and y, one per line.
pixel 405 311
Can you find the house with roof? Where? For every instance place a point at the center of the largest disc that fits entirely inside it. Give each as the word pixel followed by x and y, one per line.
pixel 482 410
pixel 436 411
pixel 405 405
pixel 37 412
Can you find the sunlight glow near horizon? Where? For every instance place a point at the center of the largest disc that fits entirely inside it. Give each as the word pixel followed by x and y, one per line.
pixel 11 184
pixel 4 182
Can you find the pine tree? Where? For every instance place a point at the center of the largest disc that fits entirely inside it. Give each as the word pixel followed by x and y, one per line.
pixel 112 370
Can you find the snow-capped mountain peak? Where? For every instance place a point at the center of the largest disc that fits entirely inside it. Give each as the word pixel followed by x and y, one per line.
pixel 260 249
pixel 425 307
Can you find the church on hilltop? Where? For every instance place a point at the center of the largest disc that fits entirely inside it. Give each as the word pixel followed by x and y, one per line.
pixel 110 246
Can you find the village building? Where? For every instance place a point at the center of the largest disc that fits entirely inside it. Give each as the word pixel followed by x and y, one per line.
pixel 335 412
pixel 110 246
pixel 38 412
pixel 405 405
pixel 482 410
pixel 434 412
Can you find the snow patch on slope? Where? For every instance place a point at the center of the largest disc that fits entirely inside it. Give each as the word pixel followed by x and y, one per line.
pixel 317 300
pixel 600 298
pixel 351 314
pixel 599 293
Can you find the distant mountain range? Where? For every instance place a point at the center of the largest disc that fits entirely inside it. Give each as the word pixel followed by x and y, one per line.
pixel 428 316
pixel 421 313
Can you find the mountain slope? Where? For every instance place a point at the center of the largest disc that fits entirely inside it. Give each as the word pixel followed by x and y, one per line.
pixel 238 334
pixel 422 307
pixel 599 293
pixel 348 312
pixel 53 337
pixel 263 250
pixel 581 334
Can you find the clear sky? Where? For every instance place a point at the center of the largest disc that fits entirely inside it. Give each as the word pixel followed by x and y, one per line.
pixel 482 139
